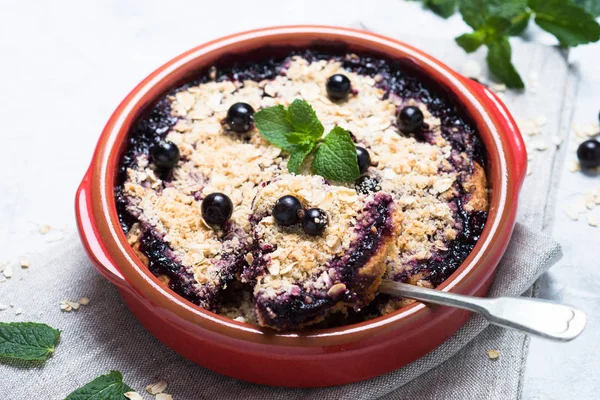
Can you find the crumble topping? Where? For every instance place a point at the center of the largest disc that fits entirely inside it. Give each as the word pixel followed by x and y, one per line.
pixel 298 254
pixel 421 176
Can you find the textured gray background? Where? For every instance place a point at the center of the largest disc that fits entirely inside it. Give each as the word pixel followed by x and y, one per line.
pixel 66 65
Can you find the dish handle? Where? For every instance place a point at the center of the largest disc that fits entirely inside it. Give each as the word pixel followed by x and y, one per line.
pixel 507 127
pixel 90 236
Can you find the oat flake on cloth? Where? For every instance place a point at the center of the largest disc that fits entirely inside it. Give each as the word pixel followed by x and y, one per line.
pixel 103 335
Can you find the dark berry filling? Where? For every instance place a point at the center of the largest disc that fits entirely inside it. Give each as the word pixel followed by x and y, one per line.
pixel 371 229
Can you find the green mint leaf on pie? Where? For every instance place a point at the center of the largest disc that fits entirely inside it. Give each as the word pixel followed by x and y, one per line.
pixel 443 8
pixel 298 156
pixel 298 131
pixel 104 387
pixel 298 138
pixel 27 341
pixel 499 62
pixel 470 41
pixel 285 128
pixel 335 158
pixel 304 119
pixel 571 24
pixel 274 125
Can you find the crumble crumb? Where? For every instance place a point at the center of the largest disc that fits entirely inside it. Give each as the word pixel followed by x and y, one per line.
pixel 572 213
pixel 156 388
pixel 133 396
pixel 163 396
pixel 574 166
pixel 55 238
pixel 68 306
pixel 84 301
pixel 493 354
pixel 24 262
pixel 44 229
pixel 8 271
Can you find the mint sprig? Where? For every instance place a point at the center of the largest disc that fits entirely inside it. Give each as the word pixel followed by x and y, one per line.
pixel 104 387
pixel 493 21
pixel 27 341
pixel 298 131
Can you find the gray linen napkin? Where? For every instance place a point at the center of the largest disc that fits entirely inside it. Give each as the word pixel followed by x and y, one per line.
pixel 104 335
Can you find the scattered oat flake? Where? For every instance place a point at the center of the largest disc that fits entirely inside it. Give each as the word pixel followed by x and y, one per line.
pixel 133 396
pixel 574 166
pixel 24 262
pixel 590 204
pixel 529 127
pixel 44 229
pixel 163 396
pixel 557 140
pixel 540 146
pixel 157 387
pixel 55 238
pixel 493 354
pixel 84 301
pixel 2 278
pixel 74 305
pixel 472 69
pixel 7 272
pixel 68 305
pixel 592 221
pixel 19 311
pixel 498 87
pixel 572 213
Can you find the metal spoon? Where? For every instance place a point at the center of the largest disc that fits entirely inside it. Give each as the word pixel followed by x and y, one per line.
pixel 533 316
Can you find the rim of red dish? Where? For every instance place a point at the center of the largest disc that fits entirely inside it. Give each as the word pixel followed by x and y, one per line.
pixel 139 279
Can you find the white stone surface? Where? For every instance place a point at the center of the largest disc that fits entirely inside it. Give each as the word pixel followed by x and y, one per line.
pixel 66 64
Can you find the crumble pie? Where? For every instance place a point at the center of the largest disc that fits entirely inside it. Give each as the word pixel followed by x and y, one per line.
pixel 413 216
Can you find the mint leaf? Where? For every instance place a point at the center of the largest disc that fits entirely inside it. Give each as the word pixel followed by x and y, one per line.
pixel 479 15
pixel 298 156
pixel 298 138
pixel 470 41
pixel 591 6
pixel 507 9
pixel 273 125
pixel 474 12
pixel 104 387
pixel 570 24
pixel 304 119
pixel 335 158
pixel 519 23
pixel 297 130
pixel 499 62
pixel 27 340
pixel 443 8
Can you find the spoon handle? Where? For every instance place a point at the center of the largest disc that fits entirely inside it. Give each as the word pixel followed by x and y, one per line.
pixel 533 316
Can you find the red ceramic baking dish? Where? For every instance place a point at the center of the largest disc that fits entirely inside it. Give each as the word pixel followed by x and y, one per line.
pixel 311 358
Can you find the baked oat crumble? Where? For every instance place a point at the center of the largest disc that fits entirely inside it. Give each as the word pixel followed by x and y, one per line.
pixel 435 183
